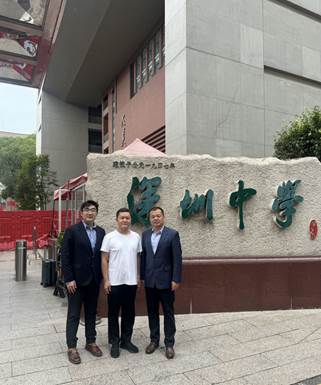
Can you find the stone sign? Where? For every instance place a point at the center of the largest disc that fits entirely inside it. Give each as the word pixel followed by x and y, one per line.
pixel 222 207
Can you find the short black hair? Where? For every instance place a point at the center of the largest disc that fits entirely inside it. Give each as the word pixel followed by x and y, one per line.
pixel 88 204
pixel 156 208
pixel 122 210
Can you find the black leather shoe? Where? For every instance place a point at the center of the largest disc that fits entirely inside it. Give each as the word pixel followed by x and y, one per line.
pixel 169 352
pixel 129 346
pixel 151 347
pixel 114 351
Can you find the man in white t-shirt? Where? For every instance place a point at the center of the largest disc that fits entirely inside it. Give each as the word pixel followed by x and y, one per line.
pixel 120 250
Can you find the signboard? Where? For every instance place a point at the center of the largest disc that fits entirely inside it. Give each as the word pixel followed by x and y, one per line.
pixel 223 207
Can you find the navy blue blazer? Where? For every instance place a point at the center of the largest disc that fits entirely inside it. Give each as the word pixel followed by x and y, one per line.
pixel 78 260
pixel 160 269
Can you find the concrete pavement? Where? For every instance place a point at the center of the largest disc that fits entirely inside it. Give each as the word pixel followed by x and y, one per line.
pixel 245 348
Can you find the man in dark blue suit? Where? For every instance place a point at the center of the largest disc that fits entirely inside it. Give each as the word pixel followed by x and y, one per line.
pixel 161 270
pixel 81 265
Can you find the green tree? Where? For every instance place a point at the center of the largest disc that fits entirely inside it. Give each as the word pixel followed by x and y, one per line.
pixel 35 183
pixel 301 137
pixel 13 150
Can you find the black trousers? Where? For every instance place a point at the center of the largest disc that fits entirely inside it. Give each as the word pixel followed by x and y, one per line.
pixel 87 295
pixel 121 297
pixel 166 298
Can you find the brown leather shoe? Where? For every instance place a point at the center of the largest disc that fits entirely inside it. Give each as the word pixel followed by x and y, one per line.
pixel 94 349
pixel 169 352
pixel 151 347
pixel 73 356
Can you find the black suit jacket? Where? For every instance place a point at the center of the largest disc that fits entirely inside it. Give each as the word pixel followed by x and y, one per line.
pixel 79 262
pixel 163 267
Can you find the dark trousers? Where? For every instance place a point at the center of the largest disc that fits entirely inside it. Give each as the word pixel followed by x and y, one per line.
pixel 166 297
pixel 121 297
pixel 87 295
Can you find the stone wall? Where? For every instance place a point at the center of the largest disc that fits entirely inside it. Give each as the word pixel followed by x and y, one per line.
pixel 220 237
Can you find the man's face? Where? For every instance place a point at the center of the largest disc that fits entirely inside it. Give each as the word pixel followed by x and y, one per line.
pixel 89 214
pixel 123 221
pixel 157 219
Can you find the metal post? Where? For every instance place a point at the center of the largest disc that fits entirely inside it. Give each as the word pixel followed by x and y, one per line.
pixel 21 260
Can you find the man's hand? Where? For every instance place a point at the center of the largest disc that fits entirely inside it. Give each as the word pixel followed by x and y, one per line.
pixel 107 286
pixel 175 286
pixel 71 287
pixel 140 283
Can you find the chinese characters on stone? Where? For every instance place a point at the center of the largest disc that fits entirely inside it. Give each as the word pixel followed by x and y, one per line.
pixel 147 188
pixel 142 165
pixel 237 199
pixel 284 202
pixel 145 192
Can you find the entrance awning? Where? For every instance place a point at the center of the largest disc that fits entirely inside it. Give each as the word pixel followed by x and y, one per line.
pixel 27 32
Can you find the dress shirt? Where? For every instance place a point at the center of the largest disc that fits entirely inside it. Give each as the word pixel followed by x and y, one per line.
pixel 91 232
pixel 155 237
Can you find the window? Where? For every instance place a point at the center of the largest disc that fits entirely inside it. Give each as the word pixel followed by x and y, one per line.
pixel 158 44
pixel 105 101
pixel 106 128
pixel 94 140
pixel 138 72
pixel 151 68
pixel 148 61
pixel 94 114
pixel 144 66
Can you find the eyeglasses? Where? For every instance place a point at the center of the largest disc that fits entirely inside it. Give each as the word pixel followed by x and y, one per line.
pixel 90 210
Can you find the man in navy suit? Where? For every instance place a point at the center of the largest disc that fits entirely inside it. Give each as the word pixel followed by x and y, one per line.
pixel 81 265
pixel 161 270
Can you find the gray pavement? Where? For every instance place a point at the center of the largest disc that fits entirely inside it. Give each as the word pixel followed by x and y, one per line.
pixel 244 348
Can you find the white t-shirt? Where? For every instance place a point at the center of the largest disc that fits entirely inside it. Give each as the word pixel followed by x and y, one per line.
pixel 123 250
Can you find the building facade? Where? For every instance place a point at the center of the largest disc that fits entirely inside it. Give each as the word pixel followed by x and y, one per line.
pixel 186 76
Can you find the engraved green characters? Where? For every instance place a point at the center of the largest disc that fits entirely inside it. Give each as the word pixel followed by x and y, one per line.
pixel 284 202
pixel 238 198
pixel 191 206
pixel 147 188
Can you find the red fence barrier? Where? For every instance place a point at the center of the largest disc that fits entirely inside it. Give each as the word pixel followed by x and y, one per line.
pixel 26 225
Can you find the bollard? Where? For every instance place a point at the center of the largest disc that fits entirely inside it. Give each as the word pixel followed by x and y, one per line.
pixel 21 260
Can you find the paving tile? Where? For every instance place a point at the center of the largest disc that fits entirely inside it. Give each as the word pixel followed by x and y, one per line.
pixel 177 379
pixel 21 343
pixel 233 328
pixel 38 364
pixel 48 377
pixel 27 332
pixel 206 344
pixel 5 345
pixel 228 352
pixel 97 368
pixel 179 365
pixel 295 352
pixel 301 335
pixel 30 352
pixel 116 378
pixel 190 321
pixel 5 371
pixel 230 370
pixel 287 374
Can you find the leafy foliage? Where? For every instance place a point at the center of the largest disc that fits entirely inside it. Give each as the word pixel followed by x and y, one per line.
pixel 35 183
pixel 301 137
pixel 13 150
